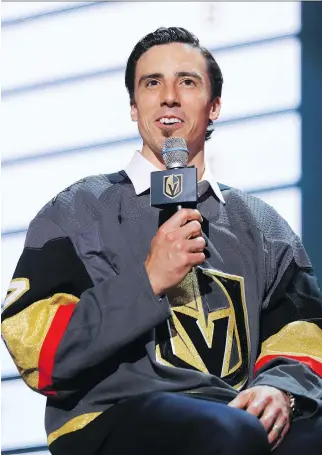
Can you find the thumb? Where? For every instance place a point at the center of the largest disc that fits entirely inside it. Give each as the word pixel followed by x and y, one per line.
pixel 241 400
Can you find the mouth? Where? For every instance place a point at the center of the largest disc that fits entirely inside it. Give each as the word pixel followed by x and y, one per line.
pixel 169 122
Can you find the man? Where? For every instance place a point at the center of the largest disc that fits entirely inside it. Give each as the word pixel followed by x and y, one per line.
pixel 140 332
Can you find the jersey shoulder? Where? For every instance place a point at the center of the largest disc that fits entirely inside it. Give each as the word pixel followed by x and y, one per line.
pixel 94 184
pixel 81 200
pixel 247 210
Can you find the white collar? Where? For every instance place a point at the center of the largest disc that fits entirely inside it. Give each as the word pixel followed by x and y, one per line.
pixel 139 170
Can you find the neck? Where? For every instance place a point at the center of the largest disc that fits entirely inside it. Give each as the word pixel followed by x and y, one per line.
pixel 156 159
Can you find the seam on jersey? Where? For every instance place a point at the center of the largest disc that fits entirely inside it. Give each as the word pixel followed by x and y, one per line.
pixel 302 294
pixel 71 239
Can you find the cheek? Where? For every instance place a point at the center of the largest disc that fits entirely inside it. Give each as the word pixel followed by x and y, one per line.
pixel 145 124
pixel 197 105
pixel 145 113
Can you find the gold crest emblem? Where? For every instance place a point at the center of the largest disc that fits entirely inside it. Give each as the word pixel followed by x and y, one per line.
pixel 212 337
pixel 172 185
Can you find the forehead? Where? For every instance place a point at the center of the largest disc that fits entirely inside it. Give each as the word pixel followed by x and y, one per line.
pixel 170 58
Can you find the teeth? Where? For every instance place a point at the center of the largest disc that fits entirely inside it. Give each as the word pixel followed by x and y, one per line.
pixel 170 120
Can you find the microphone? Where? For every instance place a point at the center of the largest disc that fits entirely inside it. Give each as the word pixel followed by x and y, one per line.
pixel 175 153
pixel 176 187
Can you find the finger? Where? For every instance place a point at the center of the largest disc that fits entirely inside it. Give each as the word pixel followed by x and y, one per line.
pixel 196 245
pixel 196 259
pixel 241 400
pixel 278 428
pixel 179 219
pixel 282 436
pixel 256 406
pixel 268 418
pixel 190 230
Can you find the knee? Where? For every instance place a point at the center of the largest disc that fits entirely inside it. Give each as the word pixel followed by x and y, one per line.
pixel 207 426
pixel 239 435
pixel 228 431
pixel 247 435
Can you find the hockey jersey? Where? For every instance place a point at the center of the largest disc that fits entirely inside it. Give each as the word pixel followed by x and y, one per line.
pixel 85 329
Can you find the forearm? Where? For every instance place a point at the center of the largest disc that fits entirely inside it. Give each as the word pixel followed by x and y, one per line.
pixel 109 317
pixel 296 378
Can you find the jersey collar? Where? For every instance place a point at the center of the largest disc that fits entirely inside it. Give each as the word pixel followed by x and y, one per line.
pixel 139 170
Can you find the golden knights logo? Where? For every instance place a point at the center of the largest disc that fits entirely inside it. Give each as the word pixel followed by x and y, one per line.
pixel 172 185
pixel 208 330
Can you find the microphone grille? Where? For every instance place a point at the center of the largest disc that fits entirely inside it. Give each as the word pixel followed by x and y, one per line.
pixel 175 152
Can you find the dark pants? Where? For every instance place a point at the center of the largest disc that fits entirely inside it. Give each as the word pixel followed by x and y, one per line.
pixel 304 438
pixel 173 424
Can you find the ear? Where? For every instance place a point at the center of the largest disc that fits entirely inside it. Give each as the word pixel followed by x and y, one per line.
pixel 215 108
pixel 134 112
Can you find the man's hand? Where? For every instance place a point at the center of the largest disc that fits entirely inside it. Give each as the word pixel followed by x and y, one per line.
pixel 271 406
pixel 177 247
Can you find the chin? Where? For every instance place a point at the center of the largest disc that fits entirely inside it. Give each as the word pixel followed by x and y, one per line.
pixel 156 145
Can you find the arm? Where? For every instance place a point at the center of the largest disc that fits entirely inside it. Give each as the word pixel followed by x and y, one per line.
pixel 290 349
pixel 57 325
pixel 290 356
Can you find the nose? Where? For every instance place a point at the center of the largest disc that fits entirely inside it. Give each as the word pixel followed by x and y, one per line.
pixel 169 96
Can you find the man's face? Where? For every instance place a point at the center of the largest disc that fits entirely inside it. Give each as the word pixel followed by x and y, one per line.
pixel 173 97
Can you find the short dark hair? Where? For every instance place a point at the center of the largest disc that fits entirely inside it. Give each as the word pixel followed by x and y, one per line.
pixel 169 35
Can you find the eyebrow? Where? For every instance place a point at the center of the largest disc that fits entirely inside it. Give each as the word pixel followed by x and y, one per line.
pixel 190 74
pixel 179 74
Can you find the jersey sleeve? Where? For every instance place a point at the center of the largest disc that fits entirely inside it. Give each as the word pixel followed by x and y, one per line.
pixel 290 354
pixel 57 324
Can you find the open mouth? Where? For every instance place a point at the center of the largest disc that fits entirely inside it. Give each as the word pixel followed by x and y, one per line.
pixel 169 122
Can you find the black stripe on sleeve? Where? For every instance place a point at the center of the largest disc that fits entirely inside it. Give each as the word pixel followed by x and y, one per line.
pixel 53 268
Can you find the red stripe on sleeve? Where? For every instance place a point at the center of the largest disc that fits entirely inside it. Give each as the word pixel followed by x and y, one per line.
pixel 51 343
pixel 314 364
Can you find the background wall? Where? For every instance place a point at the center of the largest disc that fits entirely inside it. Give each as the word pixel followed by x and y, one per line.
pixel 66 115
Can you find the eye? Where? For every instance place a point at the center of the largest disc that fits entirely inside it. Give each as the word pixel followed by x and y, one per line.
pixel 152 83
pixel 189 82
